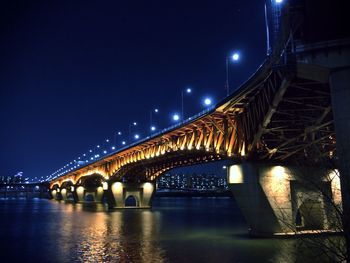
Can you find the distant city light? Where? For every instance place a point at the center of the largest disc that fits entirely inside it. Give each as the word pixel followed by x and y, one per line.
pixel 105 152
pixel 98 146
pixel 123 142
pixel 188 90
pixel 153 128
pixel 207 101
pixel 156 110
pixel 119 133
pixel 134 123
pixel 90 151
pixel 107 140
pixel 278 1
pixel 136 136
pixel 113 148
pixel 176 117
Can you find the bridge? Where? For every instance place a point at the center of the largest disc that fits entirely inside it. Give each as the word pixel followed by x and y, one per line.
pixel 280 129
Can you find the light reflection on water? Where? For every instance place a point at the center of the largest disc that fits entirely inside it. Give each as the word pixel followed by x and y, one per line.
pixel 175 230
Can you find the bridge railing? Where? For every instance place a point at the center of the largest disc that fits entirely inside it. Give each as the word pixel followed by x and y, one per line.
pixel 163 131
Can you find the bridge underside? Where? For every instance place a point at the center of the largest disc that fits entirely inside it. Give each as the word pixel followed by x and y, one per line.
pixel 301 126
pixel 149 170
pixel 288 115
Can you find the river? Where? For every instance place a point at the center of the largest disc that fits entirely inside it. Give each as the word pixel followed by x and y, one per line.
pixel 174 230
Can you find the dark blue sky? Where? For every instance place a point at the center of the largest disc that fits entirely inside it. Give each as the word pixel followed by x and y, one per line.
pixel 75 72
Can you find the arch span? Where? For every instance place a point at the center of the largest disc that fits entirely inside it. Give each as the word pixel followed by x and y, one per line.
pixel 149 170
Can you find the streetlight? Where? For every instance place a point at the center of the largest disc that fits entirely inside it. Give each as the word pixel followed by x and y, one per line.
pixel 153 128
pixel 176 117
pixel 207 101
pixel 119 133
pixel 188 91
pixel 131 125
pixel 235 58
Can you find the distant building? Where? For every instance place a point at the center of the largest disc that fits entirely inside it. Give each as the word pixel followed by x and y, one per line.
pixel 14 179
pixel 199 182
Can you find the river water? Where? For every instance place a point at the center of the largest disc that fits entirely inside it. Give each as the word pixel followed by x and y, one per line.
pixel 174 230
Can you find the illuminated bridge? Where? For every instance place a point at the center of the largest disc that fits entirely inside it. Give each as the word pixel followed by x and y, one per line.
pixel 277 128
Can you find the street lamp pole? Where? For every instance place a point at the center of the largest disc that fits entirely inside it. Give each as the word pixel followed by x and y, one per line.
pixel 235 58
pixel 150 118
pixel 115 137
pixel 188 90
pixel 182 104
pixel 152 127
pixel 227 87
pixel 130 125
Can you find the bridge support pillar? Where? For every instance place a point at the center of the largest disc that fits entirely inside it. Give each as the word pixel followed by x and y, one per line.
pixel 69 194
pixel 80 192
pixel 56 194
pixel 340 87
pixel 132 195
pixel 108 194
pixel 88 194
pixel 278 200
pixel 64 194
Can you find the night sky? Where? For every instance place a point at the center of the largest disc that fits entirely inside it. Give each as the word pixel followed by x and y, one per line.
pixel 73 73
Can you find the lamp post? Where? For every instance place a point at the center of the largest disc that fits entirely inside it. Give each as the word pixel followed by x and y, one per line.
pixel 207 101
pixel 176 117
pixel 235 58
pixel 119 133
pixel 152 127
pixel 130 126
pixel 188 91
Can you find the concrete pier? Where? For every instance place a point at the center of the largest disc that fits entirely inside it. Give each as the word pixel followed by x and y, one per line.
pixel 140 194
pixel 277 199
